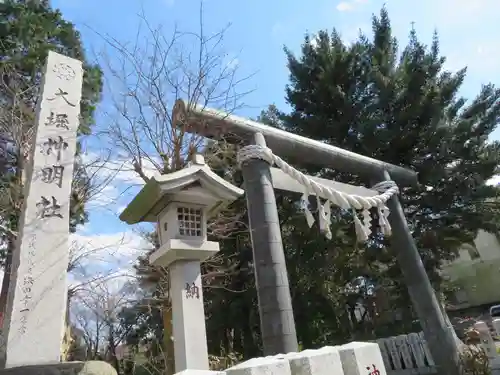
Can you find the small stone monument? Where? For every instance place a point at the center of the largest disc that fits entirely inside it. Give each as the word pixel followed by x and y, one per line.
pixel 362 358
pixel 36 305
pixel 180 203
pixel 324 361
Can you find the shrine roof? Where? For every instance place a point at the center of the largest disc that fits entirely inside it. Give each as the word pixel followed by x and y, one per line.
pixel 159 191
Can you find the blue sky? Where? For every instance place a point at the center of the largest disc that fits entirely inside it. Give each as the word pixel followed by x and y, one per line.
pixel 260 29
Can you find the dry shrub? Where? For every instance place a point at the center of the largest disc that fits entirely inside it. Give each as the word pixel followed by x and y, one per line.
pixel 475 361
pixel 221 363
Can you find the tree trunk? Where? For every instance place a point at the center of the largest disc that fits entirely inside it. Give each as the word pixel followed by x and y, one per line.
pixel 6 278
pixel 16 198
pixel 167 340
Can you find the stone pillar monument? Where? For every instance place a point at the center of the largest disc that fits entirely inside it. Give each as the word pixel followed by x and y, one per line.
pixel 180 203
pixel 36 307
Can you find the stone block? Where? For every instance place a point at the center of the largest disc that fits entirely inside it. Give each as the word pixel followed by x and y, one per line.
pixel 324 361
pixel 200 372
pixel 362 358
pixel 65 368
pixel 276 365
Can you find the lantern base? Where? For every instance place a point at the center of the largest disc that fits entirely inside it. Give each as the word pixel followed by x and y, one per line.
pixel 175 249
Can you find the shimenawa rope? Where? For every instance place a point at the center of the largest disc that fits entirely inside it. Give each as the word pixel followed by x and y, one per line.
pixel 345 201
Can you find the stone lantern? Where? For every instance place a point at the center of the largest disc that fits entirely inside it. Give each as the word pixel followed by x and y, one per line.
pixel 181 203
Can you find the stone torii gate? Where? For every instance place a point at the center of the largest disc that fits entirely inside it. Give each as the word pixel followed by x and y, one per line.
pixel 275 308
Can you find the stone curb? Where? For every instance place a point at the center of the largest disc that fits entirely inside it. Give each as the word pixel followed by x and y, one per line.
pixel 66 368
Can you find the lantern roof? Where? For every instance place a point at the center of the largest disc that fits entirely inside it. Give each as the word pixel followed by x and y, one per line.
pixel 196 183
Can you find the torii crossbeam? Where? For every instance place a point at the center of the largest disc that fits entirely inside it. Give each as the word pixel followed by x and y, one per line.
pixel 212 123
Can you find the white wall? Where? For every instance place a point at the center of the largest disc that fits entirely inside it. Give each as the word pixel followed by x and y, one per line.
pixel 477 277
pixel 487 245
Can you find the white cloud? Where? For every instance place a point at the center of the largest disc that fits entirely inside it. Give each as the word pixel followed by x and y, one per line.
pixel 121 167
pixel 116 179
pixel 349 6
pixel 344 6
pixel 126 172
pixel 106 196
pixel 104 256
